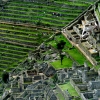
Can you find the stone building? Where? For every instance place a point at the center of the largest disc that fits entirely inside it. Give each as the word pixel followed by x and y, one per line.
pixel 85 31
pixel 86 82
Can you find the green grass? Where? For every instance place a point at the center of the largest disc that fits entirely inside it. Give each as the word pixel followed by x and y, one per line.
pixel 53 43
pixel 97 67
pixel 70 89
pixel 78 56
pixel 60 96
pixel 98 14
pixel 66 63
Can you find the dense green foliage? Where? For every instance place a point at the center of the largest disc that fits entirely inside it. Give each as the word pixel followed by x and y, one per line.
pixel 52 13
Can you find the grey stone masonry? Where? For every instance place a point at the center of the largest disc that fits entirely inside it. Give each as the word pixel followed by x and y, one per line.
pixel 87 96
pixel 96 93
pixel 94 85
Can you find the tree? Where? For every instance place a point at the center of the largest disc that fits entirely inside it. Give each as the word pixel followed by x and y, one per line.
pixel 61 57
pixel 5 77
pixel 60 46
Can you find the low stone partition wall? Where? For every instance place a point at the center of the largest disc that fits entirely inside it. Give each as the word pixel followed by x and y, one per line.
pixel 60 91
pixel 87 53
pixel 72 82
pixel 15 90
pixel 78 85
pixel 19 99
pixel 84 48
pixel 75 81
pixel 97 17
pixel 97 93
pixel 27 79
pixel 66 96
pixel 70 36
pixel 14 84
pixel 81 88
pixel 87 96
pixel 23 94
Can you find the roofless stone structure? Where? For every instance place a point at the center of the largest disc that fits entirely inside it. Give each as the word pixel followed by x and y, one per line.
pixel 84 33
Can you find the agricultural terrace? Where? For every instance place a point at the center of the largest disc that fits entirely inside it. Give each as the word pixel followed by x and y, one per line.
pixel 17 41
pixel 55 14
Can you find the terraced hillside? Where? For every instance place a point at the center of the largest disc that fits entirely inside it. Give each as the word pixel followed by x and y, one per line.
pixel 16 42
pixel 47 13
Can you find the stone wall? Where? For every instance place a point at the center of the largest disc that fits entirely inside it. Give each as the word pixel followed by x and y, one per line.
pixel 78 85
pixel 27 79
pixel 97 16
pixel 75 81
pixel 15 90
pixel 87 96
pixel 81 88
pixel 19 99
pixel 63 94
pixel 96 93
pixel 94 85
pixel 4 0
pixel 88 53
pixel 70 36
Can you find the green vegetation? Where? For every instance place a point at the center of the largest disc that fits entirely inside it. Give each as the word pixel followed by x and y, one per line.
pixel 60 96
pixel 72 51
pixel 78 56
pixel 66 63
pixel 56 13
pixel 97 11
pixel 70 89
pixel 97 67
pixel 16 41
